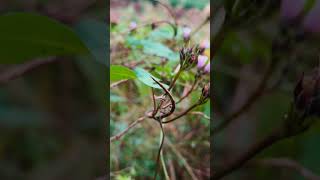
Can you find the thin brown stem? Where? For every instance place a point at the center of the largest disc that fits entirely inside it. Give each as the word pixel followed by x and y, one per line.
pixel 184 161
pixel 132 125
pixel 169 10
pixel 200 114
pixel 288 164
pixel 175 79
pixel 21 69
pixel 154 104
pixel 118 83
pixel 150 24
pixel 159 151
pixel 189 92
pixel 183 113
pixel 200 26
pixel 251 100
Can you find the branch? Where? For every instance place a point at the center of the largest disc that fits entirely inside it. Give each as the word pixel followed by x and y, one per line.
pixel 200 114
pixel 132 125
pixel 252 151
pixel 117 83
pixel 183 160
pixel 251 100
pixel 189 92
pixel 21 69
pixel 169 10
pixel 289 164
pixel 183 113
pixel 200 26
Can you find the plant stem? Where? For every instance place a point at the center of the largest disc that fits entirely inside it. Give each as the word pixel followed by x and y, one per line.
pixel 256 148
pixel 251 100
pixel 288 164
pixel 184 161
pixel 189 92
pixel 164 166
pixel 183 113
pixel 175 79
pixel 21 69
pixel 118 136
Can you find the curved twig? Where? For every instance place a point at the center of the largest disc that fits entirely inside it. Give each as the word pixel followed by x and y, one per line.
pixel 289 164
pixel 169 10
pixel 189 92
pixel 173 104
pixel 118 136
pixel 183 113
pixel 21 69
pixel 251 100
pixel 159 152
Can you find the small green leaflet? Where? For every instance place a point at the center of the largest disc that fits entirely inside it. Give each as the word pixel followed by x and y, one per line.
pixel 118 73
pixel 145 77
pixel 153 48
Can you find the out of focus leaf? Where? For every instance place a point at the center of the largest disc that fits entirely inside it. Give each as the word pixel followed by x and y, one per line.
pixel 94 34
pixel 25 36
pixel 218 21
pixel 118 73
pixel 158 49
pixel 162 33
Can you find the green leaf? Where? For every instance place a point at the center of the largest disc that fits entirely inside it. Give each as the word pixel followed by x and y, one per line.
pixel 162 33
pixel 154 48
pixel 145 77
pixel 94 34
pixel 158 49
pixel 25 36
pixel 118 73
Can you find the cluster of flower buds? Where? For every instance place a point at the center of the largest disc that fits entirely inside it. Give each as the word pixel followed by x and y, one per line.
pixel 205 94
pixel 307 94
pixel 189 57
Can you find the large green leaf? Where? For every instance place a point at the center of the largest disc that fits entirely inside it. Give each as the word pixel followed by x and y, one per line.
pixel 25 36
pixel 153 48
pixel 162 33
pixel 118 73
pixel 94 34
pixel 158 49
pixel 145 77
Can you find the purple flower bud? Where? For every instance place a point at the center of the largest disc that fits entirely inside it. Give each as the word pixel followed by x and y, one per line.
pixel 207 68
pixel 133 25
pixel 312 20
pixel 202 60
pixel 186 32
pixel 205 44
pixel 205 94
pixel 290 9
